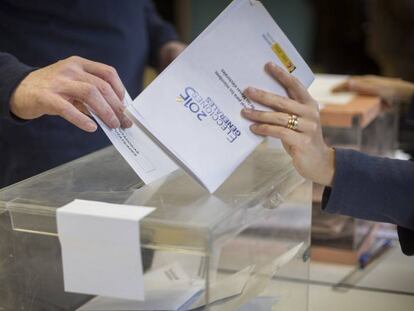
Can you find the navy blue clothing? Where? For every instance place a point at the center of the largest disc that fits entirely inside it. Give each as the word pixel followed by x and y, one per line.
pixel 125 34
pixel 374 188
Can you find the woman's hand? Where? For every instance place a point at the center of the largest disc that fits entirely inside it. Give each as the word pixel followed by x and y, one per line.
pixel 311 156
pixel 390 90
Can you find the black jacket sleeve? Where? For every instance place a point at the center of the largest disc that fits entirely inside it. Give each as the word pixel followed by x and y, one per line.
pixel 160 32
pixel 12 72
pixel 374 188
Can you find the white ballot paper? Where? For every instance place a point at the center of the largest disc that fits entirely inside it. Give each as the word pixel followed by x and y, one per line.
pixel 258 282
pixel 170 288
pixel 147 159
pixel 321 90
pixel 101 250
pixel 261 303
pixel 167 288
pixel 226 287
pixel 192 110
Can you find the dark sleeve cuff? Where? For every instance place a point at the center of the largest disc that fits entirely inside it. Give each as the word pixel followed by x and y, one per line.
pixel 160 32
pixel 12 72
pixel 406 238
pixel 372 188
pixel 332 197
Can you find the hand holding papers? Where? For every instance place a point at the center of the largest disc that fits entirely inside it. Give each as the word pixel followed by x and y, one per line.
pixel 192 110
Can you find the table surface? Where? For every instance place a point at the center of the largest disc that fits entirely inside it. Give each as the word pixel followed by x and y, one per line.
pixel 364 108
pixel 387 285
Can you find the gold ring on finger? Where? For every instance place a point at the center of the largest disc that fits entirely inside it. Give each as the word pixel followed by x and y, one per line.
pixel 293 122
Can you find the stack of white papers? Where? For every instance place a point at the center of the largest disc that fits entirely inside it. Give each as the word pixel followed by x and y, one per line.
pixel 170 288
pixel 192 110
pixel 166 288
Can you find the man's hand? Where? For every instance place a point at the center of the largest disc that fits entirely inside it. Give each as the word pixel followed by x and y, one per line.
pixel 64 88
pixel 390 90
pixel 169 52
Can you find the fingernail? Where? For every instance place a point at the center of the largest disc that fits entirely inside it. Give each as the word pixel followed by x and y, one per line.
pixel 91 126
pixel 247 111
pixel 251 90
pixel 272 65
pixel 127 122
pixel 114 123
pixel 253 127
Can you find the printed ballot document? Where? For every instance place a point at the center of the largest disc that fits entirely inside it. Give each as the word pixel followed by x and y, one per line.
pixel 192 109
pixel 144 156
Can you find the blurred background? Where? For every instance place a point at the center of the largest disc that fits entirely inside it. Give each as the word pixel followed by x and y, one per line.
pixel 353 37
pixel 347 37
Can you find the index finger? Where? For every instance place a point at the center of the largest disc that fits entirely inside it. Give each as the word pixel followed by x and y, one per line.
pixel 293 86
pixel 341 87
pixel 107 73
pixel 360 85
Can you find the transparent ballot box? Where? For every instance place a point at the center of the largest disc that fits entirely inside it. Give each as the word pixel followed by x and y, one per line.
pixel 362 125
pixel 244 247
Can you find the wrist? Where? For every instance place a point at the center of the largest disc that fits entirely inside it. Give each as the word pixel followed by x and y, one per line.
pixel 18 99
pixel 15 98
pixel 328 169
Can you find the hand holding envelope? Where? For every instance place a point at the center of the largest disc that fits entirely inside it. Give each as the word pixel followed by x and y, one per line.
pixel 192 109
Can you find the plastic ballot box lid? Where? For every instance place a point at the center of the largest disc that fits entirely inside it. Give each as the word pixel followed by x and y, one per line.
pixel 187 217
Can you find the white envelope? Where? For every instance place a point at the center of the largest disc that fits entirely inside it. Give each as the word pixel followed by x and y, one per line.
pixel 192 110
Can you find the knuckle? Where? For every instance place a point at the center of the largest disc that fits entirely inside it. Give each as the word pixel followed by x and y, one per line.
pixel 68 69
pixel 74 59
pixel 105 88
pixel 69 65
pixel 283 132
pixel 268 116
pixel 107 114
pixel 264 128
pixel 281 118
pixel 90 91
pixel 110 72
pixel 63 110
pixel 294 81
pixel 259 94
pixel 281 104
